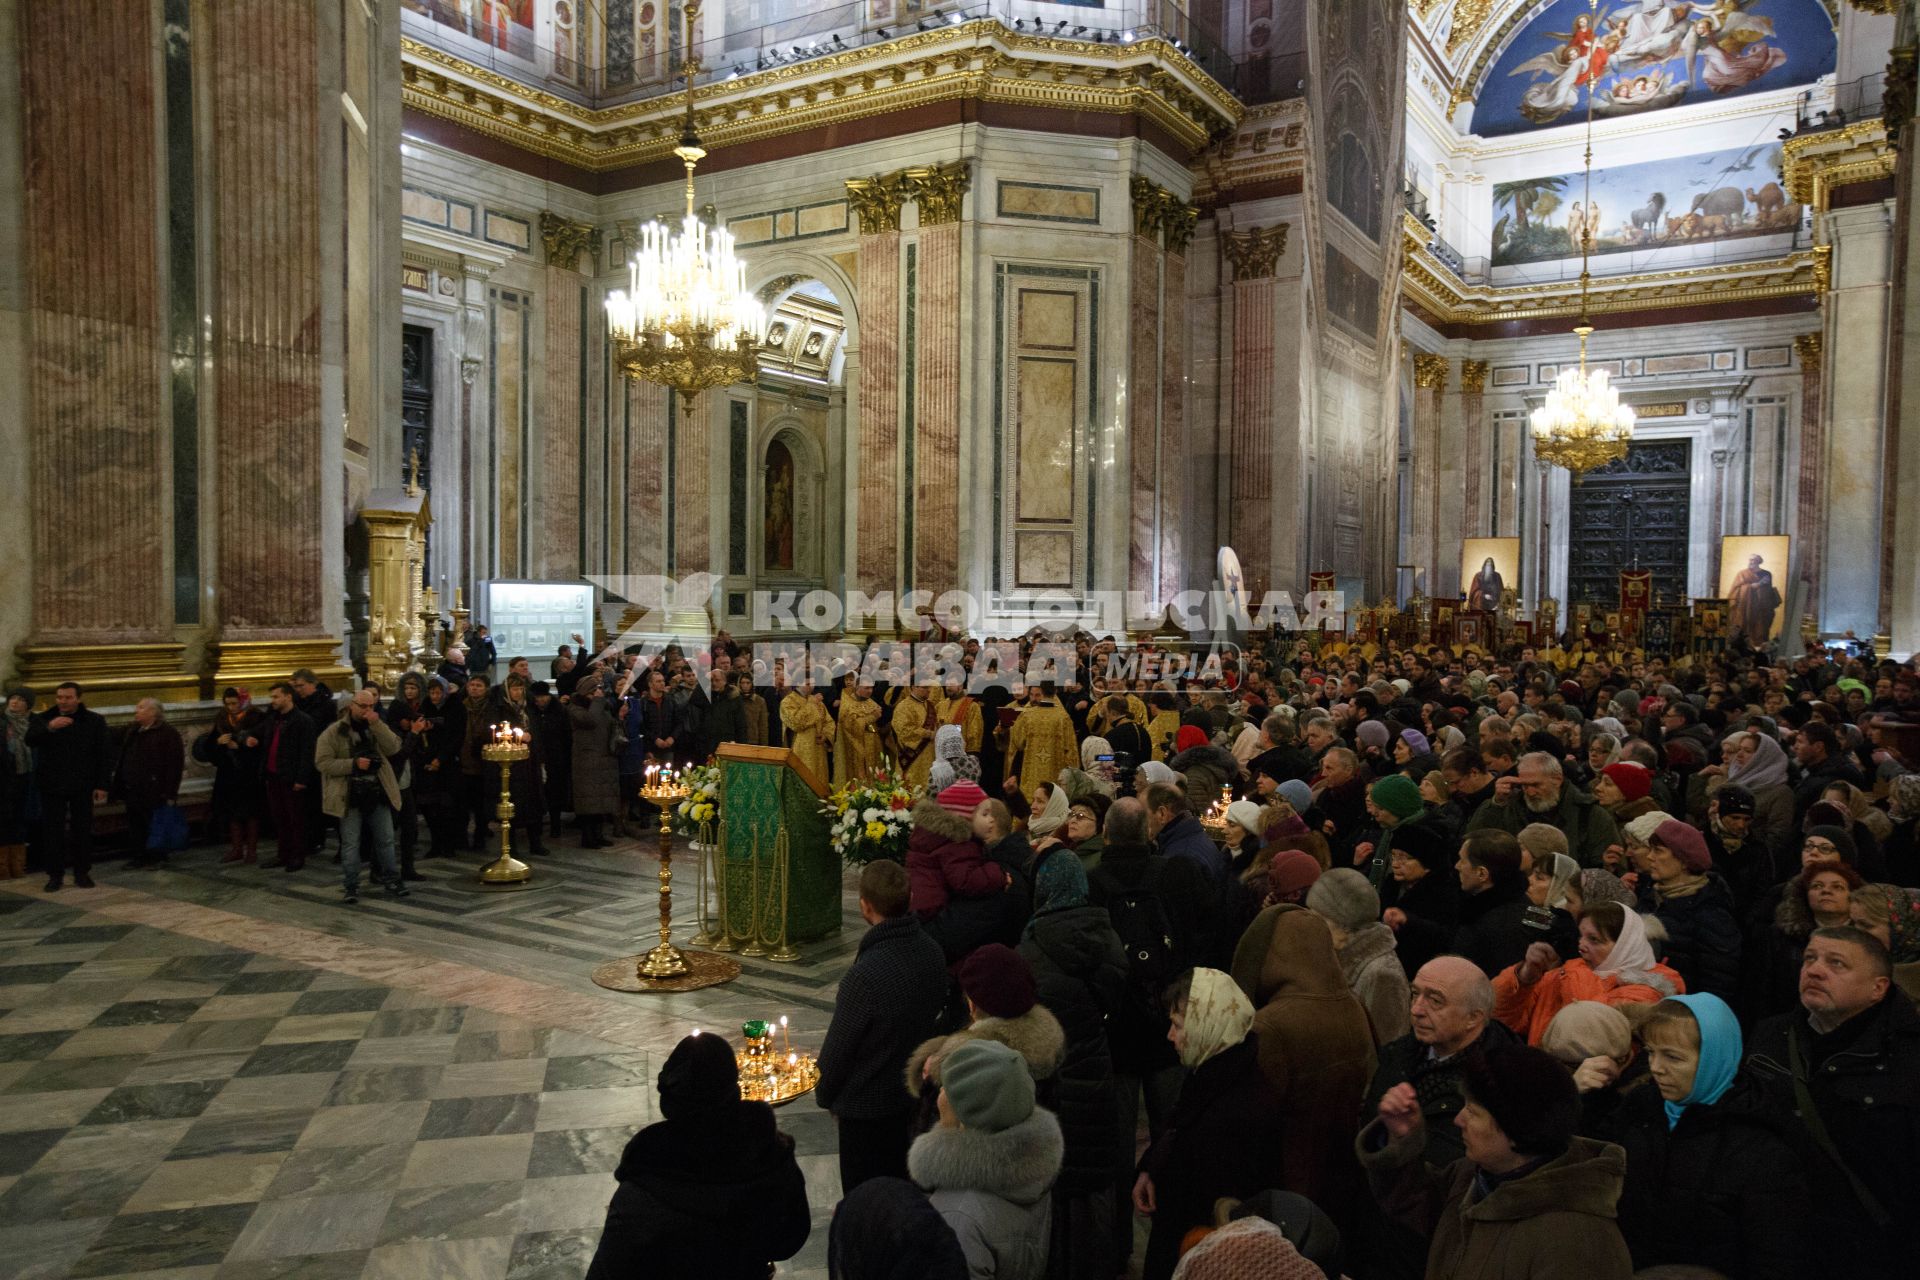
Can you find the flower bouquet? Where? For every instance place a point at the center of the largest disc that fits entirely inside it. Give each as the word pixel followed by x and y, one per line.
pixel 870 819
pixel 702 805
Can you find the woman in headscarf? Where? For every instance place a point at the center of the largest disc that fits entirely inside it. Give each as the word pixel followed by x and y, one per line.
pixel 233 746
pixel 1711 1180
pixel 1594 1041
pixel 1080 972
pixel 1594 885
pixel 1100 769
pixel 1891 913
pixel 1616 966
pixel 1603 749
pixel 1758 762
pixel 712 1189
pixel 1315 1045
pixel 16 784
pixel 1224 1138
pixel 1413 754
pixel 1046 825
pixel 1860 807
pixel 1902 847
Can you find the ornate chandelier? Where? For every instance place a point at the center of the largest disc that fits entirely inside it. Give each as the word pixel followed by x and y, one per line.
pixel 1583 425
pixel 687 319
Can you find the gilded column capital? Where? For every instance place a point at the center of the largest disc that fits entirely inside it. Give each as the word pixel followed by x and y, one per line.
pixel 940 190
pixel 1178 220
pixel 1254 254
pixel 1876 6
pixel 1812 349
pixel 1430 371
pixel 565 239
pixel 1162 216
pixel 1473 376
pixel 1897 99
pixel 878 200
pixel 1148 206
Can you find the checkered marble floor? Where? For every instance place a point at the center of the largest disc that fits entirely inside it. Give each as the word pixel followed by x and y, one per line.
pixel 175 1105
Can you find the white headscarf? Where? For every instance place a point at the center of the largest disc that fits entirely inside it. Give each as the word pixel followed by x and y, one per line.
pixel 1053 817
pixel 1768 765
pixel 1631 960
pixel 1218 1016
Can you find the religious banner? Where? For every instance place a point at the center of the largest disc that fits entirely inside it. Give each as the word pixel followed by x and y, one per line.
pixel 1322 580
pixel 1636 595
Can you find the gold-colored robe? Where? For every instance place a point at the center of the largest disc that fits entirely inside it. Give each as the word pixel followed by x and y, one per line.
pixel 1161 731
pixel 812 729
pixel 914 721
pixel 1042 740
pixel 856 747
pixel 965 712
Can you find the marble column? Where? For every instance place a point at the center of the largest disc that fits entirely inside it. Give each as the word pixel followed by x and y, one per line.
pixel 645 498
pixel 97 428
pixel 559 508
pixel 1855 459
pixel 1252 257
pixel 1810 347
pixel 1145 307
pixel 692 481
pixel 874 530
pixel 940 193
pixel 277 219
pixel 1429 388
pixel 1177 233
pixel 1473 414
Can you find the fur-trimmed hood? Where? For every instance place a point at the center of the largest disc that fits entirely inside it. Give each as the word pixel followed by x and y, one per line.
pixel 1035 1035
pixel 1017 1165
pixel 952 828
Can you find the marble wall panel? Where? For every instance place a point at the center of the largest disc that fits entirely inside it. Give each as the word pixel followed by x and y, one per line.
pixel 692 481
pixel 1044 437
pixel 644 500
pixel 1250 443
pixel 936 374
pixel 1169 518
pixel 561 424
pixel 1143 408
pixel 877 457
pixel 1047 202
pixel 509 399
pixel 94 401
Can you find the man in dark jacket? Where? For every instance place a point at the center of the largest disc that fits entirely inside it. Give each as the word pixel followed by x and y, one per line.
pixel 289 774
pixel 72 766
pixel 554 734
pixel 1823 762
pixel 147 776
pixel 410 718
pixel 1847 1064
pixel 1539 792
pixel 1491 929
pixel 726 714
pixel 888 1001
pixel 317 703
pixel 1178 835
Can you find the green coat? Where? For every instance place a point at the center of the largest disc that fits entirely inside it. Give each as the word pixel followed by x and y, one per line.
pixel 1589 827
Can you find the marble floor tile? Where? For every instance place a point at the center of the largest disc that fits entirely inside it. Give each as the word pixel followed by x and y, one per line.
pixel 44 1016
pixel 192 1184
pixel 607 1071
pixel 384 1084
pixel 479 1116
pixel 438 1020
pixel 74 1193
pixel 141 1144
pixel 11 1071
pixel 319 1170
pixel 270 1005
pixel 559 1152
pixel 552 1255
pixel 364 1124
pixel 48 1250
pixel 453 1212
pixel 25 1111
pixel 170 1067
pixel 153 1102
pixel 87 933
pixel 478 1259
pixel 595 1108
pixel 300 1058
pixel 134 1013
pixel 179 1238
pixel 318 998
pixel 249 1133
pixel 321 1026
pixel 33 1045
pixel 292 1227
pixel 250 1094
pixel 473 1079
pixel 255 982
pixel 37 973
pixel 98 1041
pixel 488 1046
pixel 76 1073
pixel 340 1265
pixel 224 1033
pixel 574 1202
pixel 404 1051
pixel 19 1152
pixel 454 1160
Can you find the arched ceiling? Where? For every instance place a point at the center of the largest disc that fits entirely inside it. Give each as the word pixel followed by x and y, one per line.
pixel 1516 61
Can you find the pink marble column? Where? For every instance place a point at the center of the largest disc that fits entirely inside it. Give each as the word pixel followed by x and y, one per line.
pixel 645 499
pixel 876 556
pixel 1173 409
pixel 1143 407
pixel 692 480
pixel 1429 385
pixel 936 409
pixel 1250 440
pixel 556 533
pixel 1473 387
pixel 261 61
pixel 95 399
pixel 1811 349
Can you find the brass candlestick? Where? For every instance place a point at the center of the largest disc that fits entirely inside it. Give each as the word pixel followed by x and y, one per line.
pixel 712 863
pixel 506 752
pixel 665 960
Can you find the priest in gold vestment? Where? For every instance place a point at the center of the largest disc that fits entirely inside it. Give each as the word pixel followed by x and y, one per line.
pixel 914 722
pixel 804 713
pixel 856 745
pixel 1042 741
pixel 956 707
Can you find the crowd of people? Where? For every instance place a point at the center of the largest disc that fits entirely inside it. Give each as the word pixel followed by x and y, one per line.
pixel 1489 969
pixel 1414 966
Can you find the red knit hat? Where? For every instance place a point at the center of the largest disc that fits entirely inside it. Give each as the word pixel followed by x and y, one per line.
pixel 1685 844
pixel 1190 735
pixel 1633 779
pixel 1291 871
pixel 963 797
pixel 996 979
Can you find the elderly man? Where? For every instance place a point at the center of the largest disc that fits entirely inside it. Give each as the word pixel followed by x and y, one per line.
pixel 148 776
pixel 1539 792
pixel 1452 1016
pixel 1846 1065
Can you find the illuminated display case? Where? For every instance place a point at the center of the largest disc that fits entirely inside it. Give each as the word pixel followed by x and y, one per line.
pixel 533 619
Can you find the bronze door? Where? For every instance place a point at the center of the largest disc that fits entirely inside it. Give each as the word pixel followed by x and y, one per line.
pixel 1631 514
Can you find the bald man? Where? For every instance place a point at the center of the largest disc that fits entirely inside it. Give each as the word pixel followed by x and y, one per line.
pixel 1452 1015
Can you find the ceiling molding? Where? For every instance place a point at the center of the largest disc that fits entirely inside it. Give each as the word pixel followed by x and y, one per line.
pixel 1814 164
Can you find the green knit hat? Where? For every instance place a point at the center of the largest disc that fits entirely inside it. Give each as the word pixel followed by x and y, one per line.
pixel 1399 795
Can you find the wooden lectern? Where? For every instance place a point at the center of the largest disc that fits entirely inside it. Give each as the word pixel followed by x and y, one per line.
pixel 779 879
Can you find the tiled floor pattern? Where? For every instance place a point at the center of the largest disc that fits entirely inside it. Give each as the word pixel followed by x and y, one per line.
pixel 174 1103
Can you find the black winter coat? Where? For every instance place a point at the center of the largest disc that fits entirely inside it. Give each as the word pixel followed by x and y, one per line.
pixel 236 768
pixel 73 760
pixel 1864 1077
pixel 1432 904
pixel 151 761
pixel 970 923
pixel 1722 1189
pixel 1703 939
pixel 291 761
pixel 888 1001
pixel 1138 1035
pixel 1080 971
pixel 1224 1140
pixel 696 1202
pixel 1492 930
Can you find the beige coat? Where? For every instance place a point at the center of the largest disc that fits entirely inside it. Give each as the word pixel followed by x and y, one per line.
pixel 333 757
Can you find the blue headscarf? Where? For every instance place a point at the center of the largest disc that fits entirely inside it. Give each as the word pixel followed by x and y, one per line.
pixel 1720 1048
pixel 1058 883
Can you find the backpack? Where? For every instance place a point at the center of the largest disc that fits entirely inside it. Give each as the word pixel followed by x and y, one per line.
pixel 1140 918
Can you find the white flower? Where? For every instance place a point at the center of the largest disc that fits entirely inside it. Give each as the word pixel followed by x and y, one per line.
pixel 872 815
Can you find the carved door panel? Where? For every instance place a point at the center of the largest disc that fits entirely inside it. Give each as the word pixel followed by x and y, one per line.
pixel 1631 514
pixel 416 404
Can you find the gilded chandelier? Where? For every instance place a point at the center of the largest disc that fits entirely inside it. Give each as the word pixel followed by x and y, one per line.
pixel 687 319
pixel 1583 425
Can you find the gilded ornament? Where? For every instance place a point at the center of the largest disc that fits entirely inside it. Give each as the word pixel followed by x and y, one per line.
pixel 1897 98
pixel 1178 220
pixel 1147 207
pixel 1430 371
pixel 1811 348
pixel 1473 376
pixel 877 201
pixel 1468 17
pixel 565 239
pixel 1813 164
pixel 939 190
pixel 1255 253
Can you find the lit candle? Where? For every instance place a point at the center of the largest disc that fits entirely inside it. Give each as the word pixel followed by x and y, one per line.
pixel 786 1034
